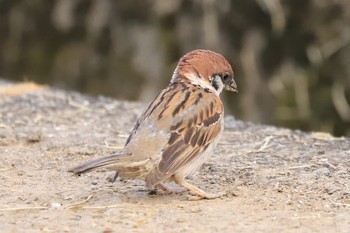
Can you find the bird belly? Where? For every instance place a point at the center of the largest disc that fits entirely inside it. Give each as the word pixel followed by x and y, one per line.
pixel 195 164
pixel 135 170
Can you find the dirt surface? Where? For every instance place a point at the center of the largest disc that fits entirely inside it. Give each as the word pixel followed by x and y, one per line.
pixel 276 180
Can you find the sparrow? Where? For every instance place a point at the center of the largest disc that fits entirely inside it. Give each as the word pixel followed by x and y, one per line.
pixel 178 130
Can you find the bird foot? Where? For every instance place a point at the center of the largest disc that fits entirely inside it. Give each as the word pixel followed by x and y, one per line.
pixel 199 193
pixel 162 189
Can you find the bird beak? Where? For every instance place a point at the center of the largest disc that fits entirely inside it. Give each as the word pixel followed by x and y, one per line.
pixel 231 86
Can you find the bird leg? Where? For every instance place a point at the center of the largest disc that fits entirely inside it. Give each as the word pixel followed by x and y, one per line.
pixel 164 188
pixel 195 190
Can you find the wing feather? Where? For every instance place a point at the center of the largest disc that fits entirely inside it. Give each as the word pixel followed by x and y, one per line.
pixel 196 122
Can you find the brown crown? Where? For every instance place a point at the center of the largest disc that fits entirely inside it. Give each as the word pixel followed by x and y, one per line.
pixel 203 63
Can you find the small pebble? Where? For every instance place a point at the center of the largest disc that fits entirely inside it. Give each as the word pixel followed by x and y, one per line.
pixel 323 171
pixel 331 190
pixel 55 205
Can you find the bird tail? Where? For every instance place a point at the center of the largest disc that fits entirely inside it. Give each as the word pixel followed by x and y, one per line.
pixel 97 163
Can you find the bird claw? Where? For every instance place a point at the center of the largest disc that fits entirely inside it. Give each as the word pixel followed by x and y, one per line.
pixel 162 189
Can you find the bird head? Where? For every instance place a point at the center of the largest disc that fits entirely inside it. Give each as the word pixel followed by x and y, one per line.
pixel 206 69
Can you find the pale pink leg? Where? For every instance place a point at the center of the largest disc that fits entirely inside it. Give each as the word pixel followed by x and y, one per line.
pixel 164 188
pixel 195 190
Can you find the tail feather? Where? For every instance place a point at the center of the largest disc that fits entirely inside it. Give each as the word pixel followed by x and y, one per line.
pixel 96 163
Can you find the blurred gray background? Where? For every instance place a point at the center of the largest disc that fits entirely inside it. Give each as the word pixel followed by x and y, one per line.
pixel 291 57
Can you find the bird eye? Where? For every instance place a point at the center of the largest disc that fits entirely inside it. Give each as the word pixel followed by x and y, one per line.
pixel 225 76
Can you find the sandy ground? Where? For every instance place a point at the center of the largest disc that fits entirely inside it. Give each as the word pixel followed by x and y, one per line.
pixel 276 180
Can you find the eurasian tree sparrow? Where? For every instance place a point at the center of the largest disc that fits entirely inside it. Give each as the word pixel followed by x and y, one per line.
pixel 179 129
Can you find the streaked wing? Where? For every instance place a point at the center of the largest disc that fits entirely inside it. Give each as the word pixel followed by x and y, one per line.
pixel 195 122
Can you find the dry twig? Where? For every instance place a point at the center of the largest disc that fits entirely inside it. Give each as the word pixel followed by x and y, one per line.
pixel 74 205
pixel 24 208
pixel 264 146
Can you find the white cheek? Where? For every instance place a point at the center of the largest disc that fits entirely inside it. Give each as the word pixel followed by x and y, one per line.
pixel 200 82
pixel 219 83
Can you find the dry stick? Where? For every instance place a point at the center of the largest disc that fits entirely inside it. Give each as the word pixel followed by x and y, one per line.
pixel 305 217
pixel 42 207
pixel 24 208
pixel 70 206
pixel 296 167
pixel 264 146
pixel 339 203
pixel 118 147
pixel 115 147
pixel 114 206
pixel 78 105
pixel 278 169
pixel 102 207
pixel 292 167
pixel 142 221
